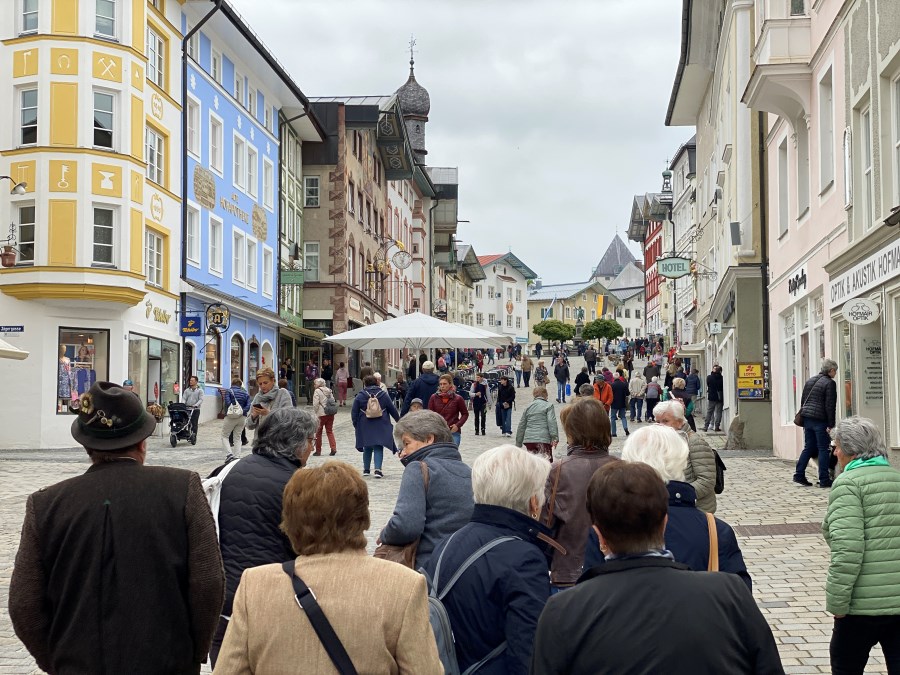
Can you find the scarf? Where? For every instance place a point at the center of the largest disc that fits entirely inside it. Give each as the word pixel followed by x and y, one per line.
pixel 265 399
pixel 881 460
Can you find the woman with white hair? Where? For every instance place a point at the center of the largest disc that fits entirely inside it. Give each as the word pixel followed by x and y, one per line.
pixel 687 532
pixel 495 603
pixel 700 471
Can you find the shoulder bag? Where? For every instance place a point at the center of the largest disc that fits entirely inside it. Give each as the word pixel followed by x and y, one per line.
pixel 310 606
pixel 406 554
pixel 713 544
pixel 234 410
pixel 552 502
pixel 798 418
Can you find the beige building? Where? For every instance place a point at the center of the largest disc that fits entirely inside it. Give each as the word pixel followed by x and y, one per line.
pixel 562 302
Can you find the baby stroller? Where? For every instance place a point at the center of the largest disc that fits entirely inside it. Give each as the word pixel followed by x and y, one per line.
pixel 180 424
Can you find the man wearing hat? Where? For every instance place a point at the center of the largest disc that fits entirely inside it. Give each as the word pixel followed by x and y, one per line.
pixel 423 388
pixel 118 569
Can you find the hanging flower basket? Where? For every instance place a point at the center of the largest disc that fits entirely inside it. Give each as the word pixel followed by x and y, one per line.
pixel 8 256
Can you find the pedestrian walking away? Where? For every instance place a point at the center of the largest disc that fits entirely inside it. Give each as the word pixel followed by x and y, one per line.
pixel 637 388
pixel 818 409
pixel 343 382
pixel 652 396
pixel 537 431
pixel 619 404
pixel 422 388
pixel 237 405
pixel 371 416
pixel 714 396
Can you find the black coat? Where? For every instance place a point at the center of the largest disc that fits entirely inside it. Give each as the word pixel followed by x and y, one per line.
pixel 687 537
pixel 580 379
pixel 819 399
pixel 250 515
pixel 620 393
pixel 714 387
pixel 423 387
pixel 653 615
pixel 561 373
pixel 500 597
pixel 505 394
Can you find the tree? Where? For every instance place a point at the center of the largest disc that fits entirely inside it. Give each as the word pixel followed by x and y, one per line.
pixel 602 328
pixel 554 329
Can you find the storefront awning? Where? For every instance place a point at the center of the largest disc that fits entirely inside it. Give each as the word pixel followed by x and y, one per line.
pixel 691 349
pixel 297 331
pixel 8 351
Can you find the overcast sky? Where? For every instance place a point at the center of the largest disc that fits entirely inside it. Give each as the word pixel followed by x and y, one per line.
pixel 553 111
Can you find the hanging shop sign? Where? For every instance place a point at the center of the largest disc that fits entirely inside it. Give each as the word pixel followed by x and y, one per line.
pixel 750 384
pixel 291 277
pixel 191 325
pixel 218 316
pixel 871 272
pixel 860 311
pixel 673 268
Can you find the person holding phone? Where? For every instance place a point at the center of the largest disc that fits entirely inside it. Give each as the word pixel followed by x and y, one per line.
pixel 269 397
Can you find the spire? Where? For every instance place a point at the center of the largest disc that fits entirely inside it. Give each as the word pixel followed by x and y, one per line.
pixel 412 55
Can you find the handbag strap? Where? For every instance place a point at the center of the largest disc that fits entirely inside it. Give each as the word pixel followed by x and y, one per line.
pixel 713 543
pixel 552 502
pixel 307 601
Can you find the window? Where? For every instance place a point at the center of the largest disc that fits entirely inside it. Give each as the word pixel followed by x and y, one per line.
pixel 491 292
pixel 362 271
pixel 868 210
pixel 518 295
pixel 29 116
pixel 311 261
pixel 268 184
pixel 509 320
pixel 783 194
pixel 826 132
pixel 637 314
pixel 153 258
pixel 193 47
pixel 29 16
pixel 239 87
pixel 478 291
pixel 311 191
pixel 105 24
pixel 193 236
pixel 627 313
pixel 213 365
pixel 154 154
pixel 83 350
pixel 492 320
pixel 252 171
pixel 251 264
pixel 25 235
pixel 103 120
pixel 351 196
pixel 156 54
pixel 103 237
pixel 268 271
pixel 215 144
pixel 267 117
pixel 251 101
pixel 479 319
pixel 798 7
pixel 519 322
pixel 509 293
pixel 289 221
pixel 895 91
pixel 239 170
pixel 568 312
pixel 350 266
pixel 238 257
pixel 215 66
pixel 193 127
pixel 215 245
pixel 359 204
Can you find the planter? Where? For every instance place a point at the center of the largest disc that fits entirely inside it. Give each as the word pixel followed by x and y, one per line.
pixel 8 256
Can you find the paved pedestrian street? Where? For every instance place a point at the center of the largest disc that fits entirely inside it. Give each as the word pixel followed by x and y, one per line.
pixel 777 521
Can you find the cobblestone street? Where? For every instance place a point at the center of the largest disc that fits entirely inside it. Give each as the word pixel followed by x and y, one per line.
pixel 777 523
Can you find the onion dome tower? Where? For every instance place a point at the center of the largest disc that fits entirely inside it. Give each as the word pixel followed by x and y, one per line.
pixel 415 104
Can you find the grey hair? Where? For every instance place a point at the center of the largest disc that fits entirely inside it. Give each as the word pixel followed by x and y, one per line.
pixel 672 406
pixel 319 382
pixel 679 383
pixel 661 447
pixel 420 424
pixel 377 376
pixel 586 389
pixel 827 366
pixel 284 432
pixel 508 476
pixel 859 438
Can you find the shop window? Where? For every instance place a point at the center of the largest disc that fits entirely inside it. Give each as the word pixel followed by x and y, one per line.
pixel 237 357
pixel 153 368
pixel 846 367
pixel 25 236
pixel 83 360
pixel 104 237
pixel 212 366
pixel 105 22
pixel 104 119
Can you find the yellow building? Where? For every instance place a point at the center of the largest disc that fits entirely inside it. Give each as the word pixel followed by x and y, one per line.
pixel 93 130
pixel 562 301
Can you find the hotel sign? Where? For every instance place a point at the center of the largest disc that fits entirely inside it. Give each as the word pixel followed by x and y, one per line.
pixel 673 268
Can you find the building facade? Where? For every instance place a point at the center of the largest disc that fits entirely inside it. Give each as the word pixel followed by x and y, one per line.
pixel 563 301
pixel 629 293
pixel 501 299
pixel 93 129
pixel 461 286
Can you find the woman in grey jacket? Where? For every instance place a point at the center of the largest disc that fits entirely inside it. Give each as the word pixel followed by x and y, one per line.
pixel 433 510
pixel 700 471
pixel 538 431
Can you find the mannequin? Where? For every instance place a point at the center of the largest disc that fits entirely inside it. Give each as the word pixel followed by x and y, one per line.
pixel 63 380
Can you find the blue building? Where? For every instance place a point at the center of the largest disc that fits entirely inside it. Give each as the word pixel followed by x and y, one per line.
pixel 238 99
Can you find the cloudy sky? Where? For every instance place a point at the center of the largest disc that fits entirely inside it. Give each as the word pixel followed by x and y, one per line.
pixel 553 111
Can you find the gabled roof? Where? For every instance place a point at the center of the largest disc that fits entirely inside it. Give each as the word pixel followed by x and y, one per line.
pixel 468 261
pixel 629 283
pixel 615 259
pixel 566 291
pixel 511 260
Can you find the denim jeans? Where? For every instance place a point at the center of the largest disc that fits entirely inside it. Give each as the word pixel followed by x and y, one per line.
pixel 370 450
pixel 560 390
pixel 853 637
pixel 635 406
pixel 506 419
pixel 456 437
pixel 816 442
pixel 518 378
pixel 620 413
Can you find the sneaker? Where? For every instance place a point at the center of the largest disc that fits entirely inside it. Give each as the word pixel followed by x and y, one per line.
pixel 826 484
pixel 802 481
pixel 365 473
pixel 627 432
pixel 378 473
pixel 229 457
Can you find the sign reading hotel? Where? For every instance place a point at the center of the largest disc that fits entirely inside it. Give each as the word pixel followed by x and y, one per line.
pixel 673 268
pixel 871 272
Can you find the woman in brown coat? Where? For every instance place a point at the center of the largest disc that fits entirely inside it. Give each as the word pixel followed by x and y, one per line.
pixel 383 626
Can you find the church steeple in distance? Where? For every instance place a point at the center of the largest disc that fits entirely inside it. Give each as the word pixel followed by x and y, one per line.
pixel 415 104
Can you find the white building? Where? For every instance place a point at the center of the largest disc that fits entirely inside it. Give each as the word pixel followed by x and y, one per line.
pixel 628 289
pixel 501 299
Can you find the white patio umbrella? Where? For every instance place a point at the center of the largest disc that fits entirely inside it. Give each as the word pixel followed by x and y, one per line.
pixel 8 351
pixel 413 331
pixel 499 340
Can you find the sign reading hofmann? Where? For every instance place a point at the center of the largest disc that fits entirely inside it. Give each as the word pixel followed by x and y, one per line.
pixel 871 272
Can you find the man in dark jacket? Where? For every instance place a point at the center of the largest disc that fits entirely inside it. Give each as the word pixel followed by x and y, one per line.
pixel 423 387
pixel 714 391
pixel 118 569
pixel 619 406
pixel 651 370
pixel 582 378
pixel 692 383
pixel 590 358
pixel 506 397
pixel 561 373
pixel 610 620
pixel 818 407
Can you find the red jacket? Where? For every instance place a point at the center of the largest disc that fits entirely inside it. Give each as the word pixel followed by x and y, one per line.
pixel 451 407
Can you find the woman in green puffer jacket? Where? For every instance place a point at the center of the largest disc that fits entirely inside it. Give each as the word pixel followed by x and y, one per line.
pixel 862 527
pixel 537 431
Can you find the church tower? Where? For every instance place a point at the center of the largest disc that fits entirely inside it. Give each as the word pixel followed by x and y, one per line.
pixel 415 104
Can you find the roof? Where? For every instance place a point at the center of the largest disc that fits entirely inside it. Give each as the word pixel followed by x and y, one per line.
pixel 630 277
pixel 626 294
pixel 615 259
pixel 352 100
pixel 564 291
pixel 413 96
pixel 465 254
pixel 691 149
pixel 511 260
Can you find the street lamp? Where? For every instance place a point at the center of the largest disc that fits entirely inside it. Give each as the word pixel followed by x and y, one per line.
pixel 18 188
pixel 9 250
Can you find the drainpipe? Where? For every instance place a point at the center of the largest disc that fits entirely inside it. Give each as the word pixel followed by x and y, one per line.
pixel 437 200
pixel 184 158
pixel 764 246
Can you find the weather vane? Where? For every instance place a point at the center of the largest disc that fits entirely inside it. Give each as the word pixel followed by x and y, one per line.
pixel 412 44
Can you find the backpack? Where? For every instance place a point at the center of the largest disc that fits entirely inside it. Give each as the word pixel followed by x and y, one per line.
pixel 212 489
pixel 440 620
pixel 331 406
pixel 653 390
pixel 373 407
